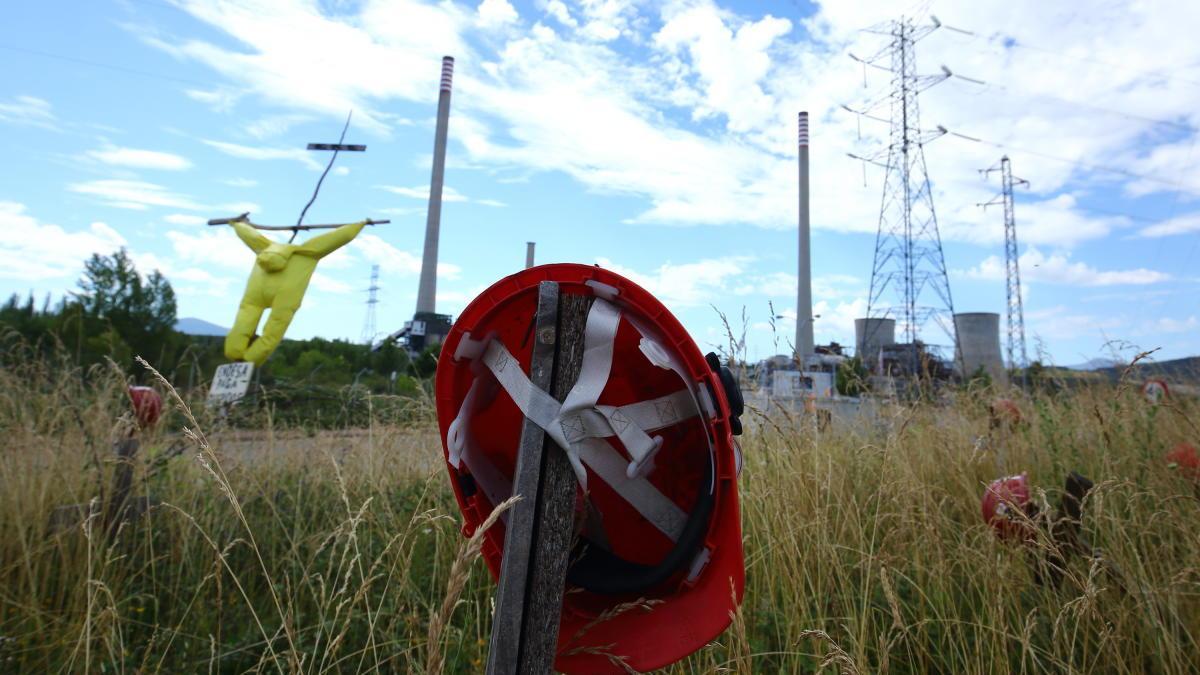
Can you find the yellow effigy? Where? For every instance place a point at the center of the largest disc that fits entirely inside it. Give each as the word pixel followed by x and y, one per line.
pixel 278 281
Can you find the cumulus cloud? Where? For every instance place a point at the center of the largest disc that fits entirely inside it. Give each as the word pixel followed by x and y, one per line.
pixel 1058 269
pixel 701 122
pixel 36 250
pixel 684 284
pixel 494 13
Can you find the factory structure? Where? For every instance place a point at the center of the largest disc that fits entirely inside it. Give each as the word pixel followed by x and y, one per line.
pixel 909 265
pixel 810 372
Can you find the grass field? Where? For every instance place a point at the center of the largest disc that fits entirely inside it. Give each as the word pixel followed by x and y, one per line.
pixel 340 551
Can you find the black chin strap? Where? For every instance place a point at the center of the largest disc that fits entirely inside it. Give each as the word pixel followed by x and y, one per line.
pixel 601 571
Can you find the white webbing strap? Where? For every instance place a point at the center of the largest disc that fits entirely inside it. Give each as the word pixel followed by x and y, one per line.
pixel 654 506
pixel 578 424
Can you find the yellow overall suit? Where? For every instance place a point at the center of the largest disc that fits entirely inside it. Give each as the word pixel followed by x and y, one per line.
pixel 278 281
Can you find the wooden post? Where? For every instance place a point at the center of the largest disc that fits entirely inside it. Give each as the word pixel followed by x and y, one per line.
pixel 122 482
pixel 540 529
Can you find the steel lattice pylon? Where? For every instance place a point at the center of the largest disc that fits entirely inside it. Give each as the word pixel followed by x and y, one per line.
pixel 368 332
pixel 908 248
pixel 1016 313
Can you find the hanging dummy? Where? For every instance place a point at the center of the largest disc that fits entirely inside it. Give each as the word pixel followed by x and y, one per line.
pixel 281 271
pixel 277 282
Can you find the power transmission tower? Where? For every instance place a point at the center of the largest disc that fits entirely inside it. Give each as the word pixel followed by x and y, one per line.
pixel 1016 313
pixel 908 247
pixel 368 331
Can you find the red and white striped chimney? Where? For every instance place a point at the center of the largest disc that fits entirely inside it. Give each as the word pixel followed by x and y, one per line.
pixel 427 291
pixel 804 306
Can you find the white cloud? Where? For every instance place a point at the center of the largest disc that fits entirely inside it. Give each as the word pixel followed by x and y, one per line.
pixel 220 100
pixel 274 125
pixel 135 195
pixel 341 171
pixel 264 154
pixel 701 122
pixel 140 159
pixel 493 13
pixel 240 182
pixel 1058 269
pixel 29 111
pixel 559 11
pixel 184 219
pixel 209 247
pixel 328 284
pixel 395 261
pixel 1184 224
pixel 35 250
pixel 449 194
pixel 687 284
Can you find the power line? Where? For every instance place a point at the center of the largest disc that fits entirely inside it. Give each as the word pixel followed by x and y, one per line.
pixel 1176 184
pixel 1113 111
pixel 1008 41
pixel 107 66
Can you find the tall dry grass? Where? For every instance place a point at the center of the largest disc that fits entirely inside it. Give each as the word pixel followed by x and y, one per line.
pixel 340 551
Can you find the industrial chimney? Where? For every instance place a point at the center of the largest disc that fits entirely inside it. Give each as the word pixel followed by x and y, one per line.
pixel 804 306
pixel 529 254
pixel 427 292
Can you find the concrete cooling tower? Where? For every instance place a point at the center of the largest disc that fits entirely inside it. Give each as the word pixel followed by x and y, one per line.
pixel 979 345
pixel 871 335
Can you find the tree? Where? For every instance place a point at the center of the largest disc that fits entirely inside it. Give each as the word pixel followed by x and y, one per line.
pixel 141 312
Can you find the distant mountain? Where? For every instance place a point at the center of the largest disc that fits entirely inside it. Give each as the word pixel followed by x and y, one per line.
pixel 1098 363
pixel 1185 370
pixel 193 326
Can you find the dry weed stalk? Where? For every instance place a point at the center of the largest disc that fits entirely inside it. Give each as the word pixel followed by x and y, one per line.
pixel 460 570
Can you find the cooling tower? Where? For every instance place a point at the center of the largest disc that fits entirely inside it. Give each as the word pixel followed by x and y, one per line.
pixel 979 345
pixel 870 335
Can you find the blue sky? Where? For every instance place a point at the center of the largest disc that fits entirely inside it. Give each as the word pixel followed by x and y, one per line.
pixel 654 138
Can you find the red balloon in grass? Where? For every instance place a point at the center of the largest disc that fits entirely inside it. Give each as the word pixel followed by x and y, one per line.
pixel 147 405
pixel 1004 504
pixel 1185 459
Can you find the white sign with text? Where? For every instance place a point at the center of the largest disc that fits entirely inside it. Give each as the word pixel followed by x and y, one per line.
pixel 230 382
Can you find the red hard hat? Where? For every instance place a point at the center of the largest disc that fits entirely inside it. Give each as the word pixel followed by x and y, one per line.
pixel 1004 411
pixel 147 405
pixel 1185 459
pixel 649 431
pixel 1004 505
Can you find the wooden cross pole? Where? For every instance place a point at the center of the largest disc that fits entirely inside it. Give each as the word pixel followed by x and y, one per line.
pixel 540 529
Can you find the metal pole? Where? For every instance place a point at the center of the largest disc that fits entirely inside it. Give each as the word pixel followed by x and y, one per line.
pixel 804 307
pixel 427 292
pixel 529 254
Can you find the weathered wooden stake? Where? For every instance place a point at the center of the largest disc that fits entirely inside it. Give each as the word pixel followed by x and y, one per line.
pixel 122 482
pixel 540 529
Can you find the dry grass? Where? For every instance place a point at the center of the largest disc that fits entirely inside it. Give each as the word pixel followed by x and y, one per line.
pixel 275 550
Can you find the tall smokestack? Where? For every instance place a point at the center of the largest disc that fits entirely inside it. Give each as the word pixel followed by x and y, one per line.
pixel 427 292
pixel 804 306
pixel 529 254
